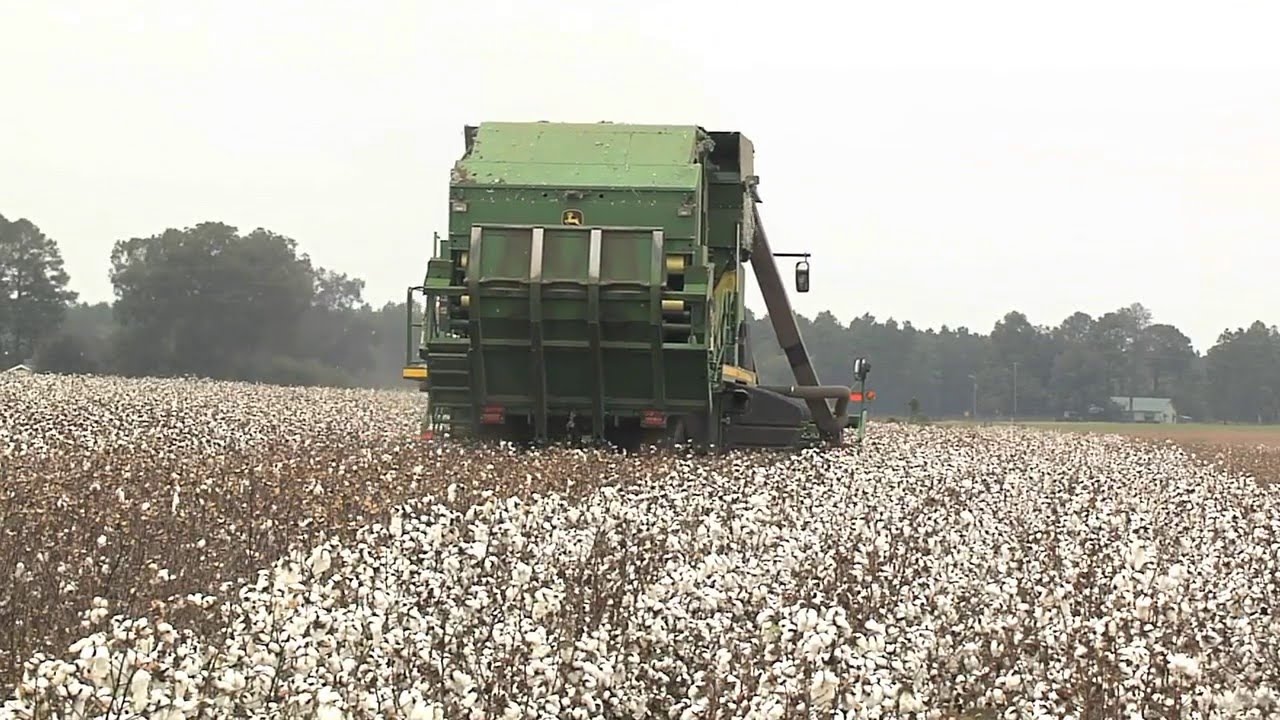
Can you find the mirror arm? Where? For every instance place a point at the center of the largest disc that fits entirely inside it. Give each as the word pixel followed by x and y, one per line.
pixel 802 269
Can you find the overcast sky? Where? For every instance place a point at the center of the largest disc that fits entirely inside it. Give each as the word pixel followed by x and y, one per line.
pixel 946 162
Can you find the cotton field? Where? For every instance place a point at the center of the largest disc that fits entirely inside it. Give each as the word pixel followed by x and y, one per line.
pixel 185 549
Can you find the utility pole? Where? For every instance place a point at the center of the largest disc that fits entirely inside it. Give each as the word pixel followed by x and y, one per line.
pixel 974 378
pixel 937 393
pixel 1015 390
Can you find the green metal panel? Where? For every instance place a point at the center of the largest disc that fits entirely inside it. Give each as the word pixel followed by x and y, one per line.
pixel 581 155
pixel 570 319
pixel 724 212
pixel 547 319
pixel 565 256
pixel 505 256
pixel 618 208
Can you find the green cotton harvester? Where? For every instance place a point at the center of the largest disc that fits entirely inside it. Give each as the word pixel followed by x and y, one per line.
pixel 591 288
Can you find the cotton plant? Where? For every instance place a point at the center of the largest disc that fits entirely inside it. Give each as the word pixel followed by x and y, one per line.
pixel 931 573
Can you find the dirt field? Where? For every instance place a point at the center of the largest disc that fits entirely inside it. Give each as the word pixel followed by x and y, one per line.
pixel 1250 449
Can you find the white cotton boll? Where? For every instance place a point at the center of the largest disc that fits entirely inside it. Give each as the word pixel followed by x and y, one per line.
pixel 695 710
pixel 813 647
pixel 230 681
pixel 99 664
pixel 460 682
pixel 83 647
pixel 1139 555
pixel 908 703
pixel 320 561
pixel 1142 608
pixel 62 673
pixel 1167 584
pixel 521 573
pixel 328 696
pixel 1184 665
pixel 724 661
pixel 822 688
pixel 806 620
pixel 139 688
pixel 1265 697
pixel 768 709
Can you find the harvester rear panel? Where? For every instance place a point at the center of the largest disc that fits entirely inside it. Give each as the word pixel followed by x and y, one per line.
pixel 590 285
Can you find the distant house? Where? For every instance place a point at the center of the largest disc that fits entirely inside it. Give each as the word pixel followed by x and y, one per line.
pixel 20 370
pixel 1147 409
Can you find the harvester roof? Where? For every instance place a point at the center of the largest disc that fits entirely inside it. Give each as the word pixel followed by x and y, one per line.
pixel 581 155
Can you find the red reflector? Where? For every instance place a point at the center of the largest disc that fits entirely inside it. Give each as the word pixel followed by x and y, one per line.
pixel 652 419
pixel 855 397
pixel 492 415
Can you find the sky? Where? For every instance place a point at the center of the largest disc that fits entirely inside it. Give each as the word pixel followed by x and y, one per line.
pixel 944 162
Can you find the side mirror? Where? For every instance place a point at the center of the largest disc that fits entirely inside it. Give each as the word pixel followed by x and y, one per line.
pixel 802 276
pixel 861 368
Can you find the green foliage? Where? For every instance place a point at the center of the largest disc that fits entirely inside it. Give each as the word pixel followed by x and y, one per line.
pixel 1244 374
pixel 913 413
pixel 69 352
pixel 206 300
pixel 211 302
pixel 1071 369
pixel 33 289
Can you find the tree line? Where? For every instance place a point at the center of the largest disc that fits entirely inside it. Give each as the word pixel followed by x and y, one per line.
pixel 204 301
pixel 1073 369
pixel 211 301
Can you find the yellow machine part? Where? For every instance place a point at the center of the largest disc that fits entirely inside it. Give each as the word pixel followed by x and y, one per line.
pixel 739 375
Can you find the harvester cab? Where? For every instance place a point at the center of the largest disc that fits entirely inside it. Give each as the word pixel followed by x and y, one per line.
pixel 591 286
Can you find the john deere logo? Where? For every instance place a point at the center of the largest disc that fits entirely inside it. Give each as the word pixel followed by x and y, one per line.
pixel 571 217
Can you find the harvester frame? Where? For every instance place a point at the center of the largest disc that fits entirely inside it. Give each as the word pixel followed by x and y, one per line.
pixel 590 287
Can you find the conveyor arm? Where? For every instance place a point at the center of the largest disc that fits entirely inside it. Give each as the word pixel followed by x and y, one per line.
pixel 784 326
